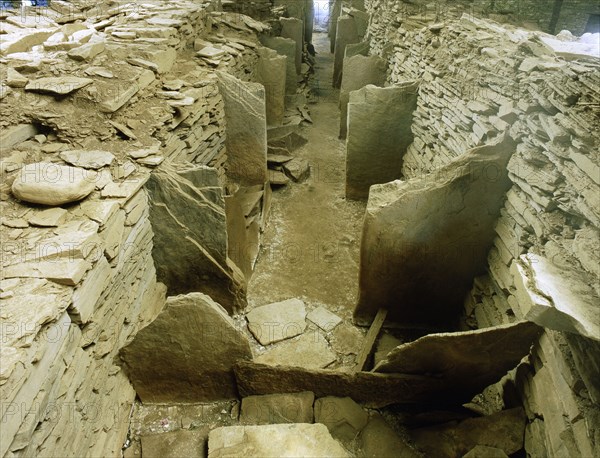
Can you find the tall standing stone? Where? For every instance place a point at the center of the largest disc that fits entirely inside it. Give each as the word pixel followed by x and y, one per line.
pixel 379 133
pixel 359 71
pixel 246 131
pixel 271 73
pixel 334 14
pixel 187 353
pixel 285 47
pixel 187 213
pixel 346 33
pixel 293 29
pixel 309 20
pixel 424 240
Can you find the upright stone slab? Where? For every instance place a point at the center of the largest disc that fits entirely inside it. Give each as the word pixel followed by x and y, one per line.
pixel 379 133
pixel 334 14
pixel 285 47
pixel 187 213
pixel 293 29
pixel 358 71
pixel 353 49
pixel 246 131
pixel 187 353
pixel 309 20
pixel 346 33
pixel 362 22
pixel 271 73
pixel 424 240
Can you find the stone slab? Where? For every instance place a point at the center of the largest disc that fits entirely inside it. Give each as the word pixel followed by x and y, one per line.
pixel 187 353
pixel 274 441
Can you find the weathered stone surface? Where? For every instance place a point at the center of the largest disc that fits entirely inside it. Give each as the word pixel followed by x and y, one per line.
pixel 420 248
pixel 211 52
pixel 555 297
pixel 293 28
pixel 271 73
pixel 358 71
pixel 278 408
pixel 504 430
pixel 466 359
pixel 87 159
pixel 346 339
pixel 14 135
pixel 273 441
pixel 88 293
pixel 482 451
pixel 66 272
pixel 24 40
pixel 187 212
pixel 51 217
pixel 343 417
pixel 379 132
pixel 377 439
pixel 123 96
pixel 246 139
pixel 176 444
pixel 15 79
pixel 323 318
pixel 310 351
pixel 346 33
pixel 86 52
pixel 187 353
pixel 57 85
pixel 298 169
pixel 243 236
pixel 277 321
pixel 285 47
pixel 335 11
pixel 369 388
pixel 51 184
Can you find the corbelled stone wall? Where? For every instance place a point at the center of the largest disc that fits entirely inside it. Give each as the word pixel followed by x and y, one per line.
pixel 478 80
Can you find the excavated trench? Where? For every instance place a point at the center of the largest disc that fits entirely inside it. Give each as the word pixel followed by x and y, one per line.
pixel 296 242
pixel 308 258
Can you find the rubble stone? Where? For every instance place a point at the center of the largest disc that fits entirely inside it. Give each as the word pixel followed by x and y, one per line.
pixel 51 184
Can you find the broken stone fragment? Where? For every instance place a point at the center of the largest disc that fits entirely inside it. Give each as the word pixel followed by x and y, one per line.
pixel 51 184
pixel 277 408
pixel 86 52
pixel 378 439
pixel 51 217
pixel 175 444
pixel 554 297
pixel 323 318
pixel 15 79
pixel 57 85
pixel 210 52
pixel 187 353
pixel 272 441
pixel 92 159
pixel 277 178
pixel 277 321
pixel 343 417
pixel 504 430
pixel 310 351
pixel 298 169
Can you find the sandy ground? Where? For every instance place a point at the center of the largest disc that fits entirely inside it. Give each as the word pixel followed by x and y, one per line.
pixel 311 246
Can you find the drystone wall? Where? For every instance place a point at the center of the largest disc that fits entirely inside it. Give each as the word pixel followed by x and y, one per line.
pixel 478 80
pixel 97 105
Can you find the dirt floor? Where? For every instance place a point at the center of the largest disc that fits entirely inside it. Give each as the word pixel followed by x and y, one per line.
pixel 311 247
